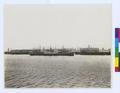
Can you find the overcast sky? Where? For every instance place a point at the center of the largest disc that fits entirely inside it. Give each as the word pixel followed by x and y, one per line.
pixel 32 26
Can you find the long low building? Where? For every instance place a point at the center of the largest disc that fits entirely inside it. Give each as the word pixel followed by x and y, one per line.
pixel 91 50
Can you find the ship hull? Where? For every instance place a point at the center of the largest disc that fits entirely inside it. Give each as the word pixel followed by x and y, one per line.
pixel 57 54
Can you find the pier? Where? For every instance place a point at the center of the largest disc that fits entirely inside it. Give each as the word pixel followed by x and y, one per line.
pixel 59 52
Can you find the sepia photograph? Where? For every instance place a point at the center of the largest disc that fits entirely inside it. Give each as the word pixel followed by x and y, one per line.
pixel 57 46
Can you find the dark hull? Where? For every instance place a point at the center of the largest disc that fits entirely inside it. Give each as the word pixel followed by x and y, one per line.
pixel 57 54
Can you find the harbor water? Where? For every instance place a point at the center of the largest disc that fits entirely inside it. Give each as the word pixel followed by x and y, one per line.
pixel 79 71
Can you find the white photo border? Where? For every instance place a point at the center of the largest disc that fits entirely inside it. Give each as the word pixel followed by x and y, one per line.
pixel 115 81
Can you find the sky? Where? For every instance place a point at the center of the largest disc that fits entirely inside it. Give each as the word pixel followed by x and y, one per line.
pixel 71 26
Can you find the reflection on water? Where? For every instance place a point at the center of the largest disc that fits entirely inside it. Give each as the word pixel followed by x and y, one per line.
pixel 57 71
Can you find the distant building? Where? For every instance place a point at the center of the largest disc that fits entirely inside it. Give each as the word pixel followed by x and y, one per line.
pixel 89 50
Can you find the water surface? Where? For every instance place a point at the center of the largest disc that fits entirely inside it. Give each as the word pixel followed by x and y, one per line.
pixel 57 71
